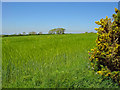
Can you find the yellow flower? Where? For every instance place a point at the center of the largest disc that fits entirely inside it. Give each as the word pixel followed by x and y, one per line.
pixel 116 27
pixel 96 59
pixel 96 28
pixel 97 51
pixel 102 29
pixel 92 56
pixel 116 10
pixel 100 72
pixel 98 41
pixel 97 22
pixel 107 52
pixel 92 49
pixel 110 50
pixel 103 35
pixel 117 45
pixel 106 16
pixel 106 75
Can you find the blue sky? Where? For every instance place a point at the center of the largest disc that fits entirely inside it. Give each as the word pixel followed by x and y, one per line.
pixel 60 0
pixel 20 17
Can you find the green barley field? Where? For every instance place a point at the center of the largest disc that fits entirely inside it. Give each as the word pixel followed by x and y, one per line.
pixel 50 61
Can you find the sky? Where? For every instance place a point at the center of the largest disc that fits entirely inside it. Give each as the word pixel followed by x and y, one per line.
pixel 60 0
pixel 18 17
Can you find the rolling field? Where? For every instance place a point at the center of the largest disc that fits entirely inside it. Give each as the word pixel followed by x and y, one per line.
pixel 50 61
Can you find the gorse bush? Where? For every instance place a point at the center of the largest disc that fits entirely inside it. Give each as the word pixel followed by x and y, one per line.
pixel 105 58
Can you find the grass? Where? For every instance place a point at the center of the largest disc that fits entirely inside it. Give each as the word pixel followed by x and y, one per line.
pixel 50 61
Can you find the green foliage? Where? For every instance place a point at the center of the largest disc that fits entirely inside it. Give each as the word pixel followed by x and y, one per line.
pixel 57 31
pixel 19 34
pixel 24 33
pixel 39 33
pixel 105 58
pixel 49 61
pixel 32 33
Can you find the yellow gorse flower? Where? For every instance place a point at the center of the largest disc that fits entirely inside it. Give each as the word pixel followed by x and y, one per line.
pixel 92 49
pixel 116 10
pixel 107 44
pixel 96 28
pixel 100 72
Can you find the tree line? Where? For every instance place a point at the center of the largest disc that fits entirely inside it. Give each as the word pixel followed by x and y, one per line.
pixel 30 33
pixel 53 31
pixel 57 31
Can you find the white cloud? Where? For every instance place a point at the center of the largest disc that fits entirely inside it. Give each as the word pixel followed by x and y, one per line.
pixel 60 0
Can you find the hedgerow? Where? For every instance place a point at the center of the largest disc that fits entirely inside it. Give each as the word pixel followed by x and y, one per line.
pixel 105 57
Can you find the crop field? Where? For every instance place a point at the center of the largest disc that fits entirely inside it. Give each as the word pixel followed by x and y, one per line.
pixel 50 61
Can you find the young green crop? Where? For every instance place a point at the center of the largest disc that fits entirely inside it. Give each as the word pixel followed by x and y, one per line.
pixel 49 61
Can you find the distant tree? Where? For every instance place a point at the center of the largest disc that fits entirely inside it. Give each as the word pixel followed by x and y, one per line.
pixel 24 33
pixel 50 32
pixel 32 33
pixel 57 31
pixel 53 31
pixel 60 30
pixel 19 34
pixel 39 33
pixel 91 32
pixel 14 34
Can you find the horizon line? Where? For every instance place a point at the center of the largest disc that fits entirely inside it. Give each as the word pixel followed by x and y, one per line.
pixel 45 33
